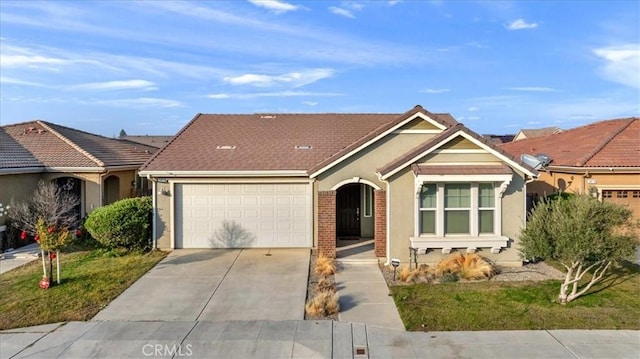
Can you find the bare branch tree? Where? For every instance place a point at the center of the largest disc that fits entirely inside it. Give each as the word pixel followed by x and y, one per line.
pixel 51 203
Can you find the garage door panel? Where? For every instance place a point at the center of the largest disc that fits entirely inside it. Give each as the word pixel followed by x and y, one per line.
pixel 242 215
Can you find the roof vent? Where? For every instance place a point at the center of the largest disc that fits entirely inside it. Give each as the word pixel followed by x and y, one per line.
pixel 225 147
pixel 267 116
pixel 304 147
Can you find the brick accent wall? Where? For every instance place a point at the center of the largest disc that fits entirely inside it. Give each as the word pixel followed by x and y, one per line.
pixel 380 230
pixel 327 223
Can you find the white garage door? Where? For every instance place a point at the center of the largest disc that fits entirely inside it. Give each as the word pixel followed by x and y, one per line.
pixel 243 215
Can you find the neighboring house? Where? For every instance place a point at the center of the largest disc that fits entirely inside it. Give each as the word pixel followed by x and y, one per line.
pixel 499 139
pixel 537 132
pixel 601 158
pixel 99 170
pixel 153 141
pixel 416 179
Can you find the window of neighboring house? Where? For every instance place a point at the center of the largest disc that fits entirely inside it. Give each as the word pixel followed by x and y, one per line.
pixel 635 194
pixel 428 205
pixel 607 194
pixel 486 207
pixel 457 208
pixel 368 201
pixel 621 194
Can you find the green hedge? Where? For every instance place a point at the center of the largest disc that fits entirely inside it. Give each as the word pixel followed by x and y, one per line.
pixel 125 223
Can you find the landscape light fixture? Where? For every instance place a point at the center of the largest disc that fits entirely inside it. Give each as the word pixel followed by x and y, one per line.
pixel 395 262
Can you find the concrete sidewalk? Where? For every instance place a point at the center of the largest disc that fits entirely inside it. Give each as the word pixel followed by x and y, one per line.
pixel 303 339
pixel 19 257
pixel 364 294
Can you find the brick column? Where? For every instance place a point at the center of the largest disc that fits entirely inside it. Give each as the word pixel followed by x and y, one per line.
pixel 327 223
pixel 380 230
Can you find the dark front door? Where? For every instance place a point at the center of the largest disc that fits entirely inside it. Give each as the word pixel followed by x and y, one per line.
pixel 348 211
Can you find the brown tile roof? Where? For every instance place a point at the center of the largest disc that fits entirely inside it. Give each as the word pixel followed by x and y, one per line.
pixel 461 170
pixel 13 155
pixel 153 141
pixel 612 143
pixel 539 132
pixel 268 141
pixel 389 167
pixel 44 144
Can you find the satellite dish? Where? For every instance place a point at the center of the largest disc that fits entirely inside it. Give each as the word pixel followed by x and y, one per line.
pixel 532 161
pixel 543 158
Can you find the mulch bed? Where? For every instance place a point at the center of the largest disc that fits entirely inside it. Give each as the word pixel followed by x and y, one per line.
pixel 532 271
pixel 312 284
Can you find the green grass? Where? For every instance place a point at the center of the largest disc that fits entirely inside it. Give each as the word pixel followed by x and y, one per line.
pixel 612 304
pixel 89 281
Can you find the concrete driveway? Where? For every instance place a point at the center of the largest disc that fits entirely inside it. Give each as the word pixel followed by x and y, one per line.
pixel 218 285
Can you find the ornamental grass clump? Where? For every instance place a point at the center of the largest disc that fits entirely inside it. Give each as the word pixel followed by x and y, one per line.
pixel 323 303
pixel 325 266
pixel 470 266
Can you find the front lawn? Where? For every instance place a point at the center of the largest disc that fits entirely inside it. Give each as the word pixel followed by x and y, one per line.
pixel 612 304
pixel 90 280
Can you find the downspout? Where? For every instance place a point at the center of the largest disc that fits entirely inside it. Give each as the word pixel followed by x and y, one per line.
pixel 155 211
pixel 526 181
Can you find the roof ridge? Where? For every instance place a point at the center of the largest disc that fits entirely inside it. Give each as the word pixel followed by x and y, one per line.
pixel 582 161
pixel 70 143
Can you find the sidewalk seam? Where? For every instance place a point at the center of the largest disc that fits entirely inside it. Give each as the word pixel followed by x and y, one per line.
pixel 562 344
pixel 218 286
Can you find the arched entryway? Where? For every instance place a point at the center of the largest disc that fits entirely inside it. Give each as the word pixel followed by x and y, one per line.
pixel 111 189
pixel 73 186
pixel 354 212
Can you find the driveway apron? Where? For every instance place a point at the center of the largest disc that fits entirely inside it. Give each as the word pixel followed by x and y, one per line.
pixel 217 284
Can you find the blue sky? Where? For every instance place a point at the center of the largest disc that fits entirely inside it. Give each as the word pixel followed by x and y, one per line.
pixel 150 66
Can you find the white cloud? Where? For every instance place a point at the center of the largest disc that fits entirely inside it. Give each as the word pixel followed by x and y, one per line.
pixel 310 103
pixel 116 85
pixel 622 64
pixel 242 96
pixel 276 6
pixel 473 109
pixel 435 91
pixel 294 79
pixel 342 12
pixel 532 89
pixel 141 102
pixel 393 2
pixel 14 81
pixel 521 24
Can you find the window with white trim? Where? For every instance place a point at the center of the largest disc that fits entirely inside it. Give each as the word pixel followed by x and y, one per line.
pixel 486 207
pixel 458 208
pixel 427 208
pixel 368 200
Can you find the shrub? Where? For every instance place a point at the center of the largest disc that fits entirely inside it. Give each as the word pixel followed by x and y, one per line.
pixel 125 223
pixel 470 266
pixel 323 303
pixel 325 266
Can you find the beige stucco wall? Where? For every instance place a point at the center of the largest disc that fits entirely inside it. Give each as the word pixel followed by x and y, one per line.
pixel 365 163
pixel 163 215
pixel 402 198
pixel 17 187
pixel 551 182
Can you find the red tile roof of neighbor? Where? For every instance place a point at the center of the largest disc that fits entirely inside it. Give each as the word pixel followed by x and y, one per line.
pixel 42 144
pixel 612 143
pixel 268 141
